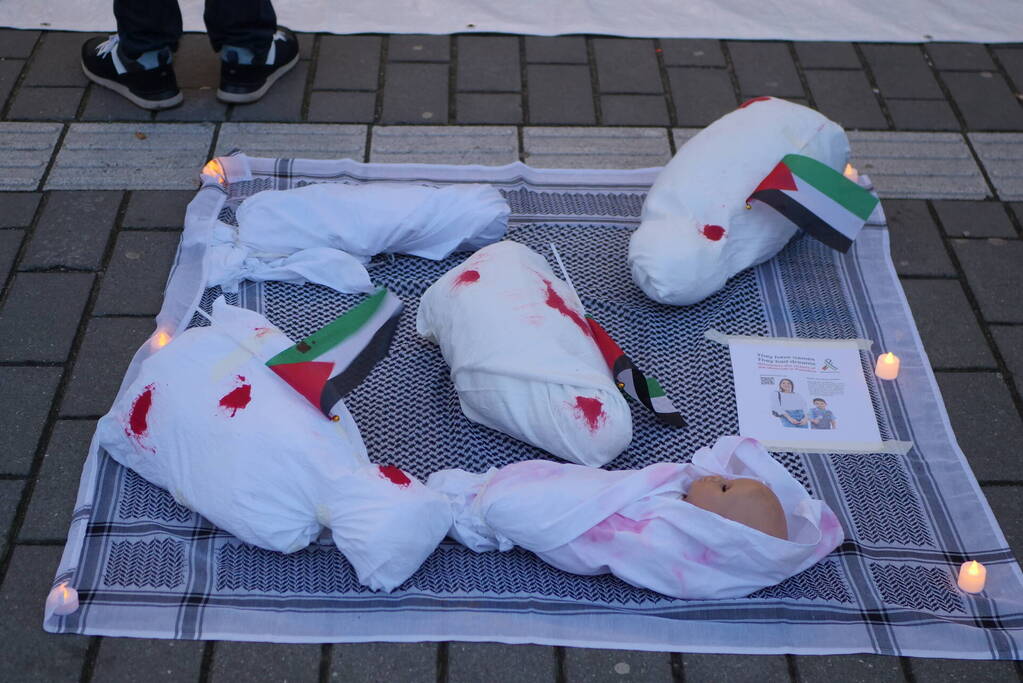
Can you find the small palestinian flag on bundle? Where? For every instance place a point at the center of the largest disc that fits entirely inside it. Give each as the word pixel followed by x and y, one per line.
pixel 818 199
pixel 325 366
pixel 634 383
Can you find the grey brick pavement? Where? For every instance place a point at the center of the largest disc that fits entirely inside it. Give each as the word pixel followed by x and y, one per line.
pixel 40 316
pixel 137 274
pixel 106 350
pixel 56 488
pixel 73 230
pixel 26 399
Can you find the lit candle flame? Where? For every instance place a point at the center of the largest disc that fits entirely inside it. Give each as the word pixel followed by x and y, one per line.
pixel 214 170
pixel 851 173
pixel 161 339
pixel 889 358
pixel 973 568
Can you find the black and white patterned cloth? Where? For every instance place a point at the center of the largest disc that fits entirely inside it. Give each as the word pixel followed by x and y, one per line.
pixel 144 566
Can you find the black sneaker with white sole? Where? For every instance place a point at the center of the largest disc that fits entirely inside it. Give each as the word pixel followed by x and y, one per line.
pixel 241 83
pixel 155 88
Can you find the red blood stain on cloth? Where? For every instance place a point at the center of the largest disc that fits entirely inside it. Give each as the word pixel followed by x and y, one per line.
pixel 467 277
pixel 237 398
pixel 395 475
pixel 713 232
pixel 591 410
pixel 138 423
pixel 606 530
pixel 555 301
pixel 755 99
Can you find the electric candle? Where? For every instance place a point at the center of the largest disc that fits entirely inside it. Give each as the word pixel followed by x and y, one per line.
pixel 161 339
pixel 972 576
pixel 887 366
pixel 62 600
pixel 851 173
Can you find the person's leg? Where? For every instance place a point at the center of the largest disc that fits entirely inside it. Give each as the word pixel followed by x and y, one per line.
pixel 246 24
pixel 147 25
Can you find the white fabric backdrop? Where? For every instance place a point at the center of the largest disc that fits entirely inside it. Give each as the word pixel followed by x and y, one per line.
pixel 987 21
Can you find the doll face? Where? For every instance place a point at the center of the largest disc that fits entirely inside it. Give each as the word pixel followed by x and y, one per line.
pixel 746 501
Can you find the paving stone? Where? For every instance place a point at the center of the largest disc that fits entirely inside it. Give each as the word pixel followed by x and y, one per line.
pixel 961 670
pixel 692 52
pixel 34 655
pixel 294 140
pixel 701 96
pixel 595 147
pixel 40 317
pixel 596 666
pixel 405 662
pixel 993 270
pixel 488 108
pixel 53 498
pixel 106 105
pixel 58 60
pixel 282 103
pixel 984 420
pixel 827 55
pixel 765 69
pixel 10 242
pixel 15 43
pixel 157 209
pixel 974 219
pixel 634 110
pixel 342 107
pixel 107 348
pixel 18 208
pixel 1010 344
pixel 129 156
pixel 901 71
pixel 290 663
pixel 918 165
pixel 917 247
pixel 196 65
pixel 306 42
pixel 27 150
pixel 985 101
pixel 348 63
pixel 416 93
pixel 960 56
pixel 850 668
pixel 922 114
pixel 73 230
pixel 46 104
pixel 947 324
pixel 846 97
pixel 10 69
pixel 486 145
pixel 556 50
pixel 1007 505
pixel 1002 157
pixel 560 94
pixel 472 662
pixel 734 668
pixel 26 398
pixel 200 104
pixel 488 64
pixel 10 496
pixel 418 48
pixel 121 659
pixel 137 274
pixel 1011 59
pixel 627 65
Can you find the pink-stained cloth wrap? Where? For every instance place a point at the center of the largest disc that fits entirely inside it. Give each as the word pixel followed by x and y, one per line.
pixel 635 525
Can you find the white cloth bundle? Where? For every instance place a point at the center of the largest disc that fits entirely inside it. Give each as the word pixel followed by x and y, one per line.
pixel 634 524
pixel 326 232
pixel 522 357
pixel 696 231
pixel 208 421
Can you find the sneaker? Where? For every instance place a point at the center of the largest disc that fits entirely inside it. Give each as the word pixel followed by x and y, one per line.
pixel 241 83
pixel 155 88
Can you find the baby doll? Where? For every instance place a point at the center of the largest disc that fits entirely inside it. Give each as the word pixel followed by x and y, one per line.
pixel 730 522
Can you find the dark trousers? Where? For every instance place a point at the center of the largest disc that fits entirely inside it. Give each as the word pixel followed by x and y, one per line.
pixel 145 25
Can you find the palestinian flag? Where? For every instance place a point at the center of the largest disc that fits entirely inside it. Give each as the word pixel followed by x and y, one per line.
pixel 634 383
pixel 325 366
pixel 818 199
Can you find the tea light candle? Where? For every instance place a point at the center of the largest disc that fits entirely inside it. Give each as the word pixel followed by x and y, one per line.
pixel 851 173
pixel 887 366
pixel 972 576
pixel 62 600
pixel 160 339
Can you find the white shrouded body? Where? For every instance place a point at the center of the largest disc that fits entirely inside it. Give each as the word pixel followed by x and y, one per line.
pixel 696 231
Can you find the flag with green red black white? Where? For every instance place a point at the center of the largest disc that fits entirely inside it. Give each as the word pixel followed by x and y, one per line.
pixel 325 366
pixel 818 199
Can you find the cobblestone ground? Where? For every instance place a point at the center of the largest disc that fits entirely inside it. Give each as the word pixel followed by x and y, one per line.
pixel 84 253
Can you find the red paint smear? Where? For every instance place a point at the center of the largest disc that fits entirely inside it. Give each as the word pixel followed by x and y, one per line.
pixel 395 475
pixel 713 232
pixel 755 99
pixel 592 410
pixel 137 422
pixel 237 398
pixel 467 277
pixel 555 301
pixel 606 530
